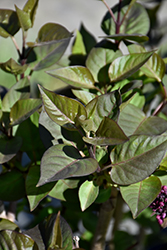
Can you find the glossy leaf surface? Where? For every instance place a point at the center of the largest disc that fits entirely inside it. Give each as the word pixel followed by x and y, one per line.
pixel 132 23
pixel 36 194
pixel 24 19
pixel 88 192
pixel 126 65
pixel 98 62
pixel 108 133
pixel 61 109
pixel 63 161
pixel 23 109
pixel 140 195
pixel 9 23
pixel 12 186
pixel 50 45
pixel 76 76
pixel 83 96
pixel 7 224
pixel 9 148
pixel 137 159
pixel 12 240
pixel 132 37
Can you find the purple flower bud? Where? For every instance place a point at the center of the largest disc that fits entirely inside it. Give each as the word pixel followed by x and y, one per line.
pixel 161 204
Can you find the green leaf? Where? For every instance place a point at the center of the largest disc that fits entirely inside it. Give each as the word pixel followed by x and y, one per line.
pixel 36 194
pixel 12 240
pixel 140 195
pixel 9 148
pixel 12 186
pixel 151 126
pixel 76 76
pixel 23 109
pixel 98 62
pixel 24 19
pixel 7 224
pixel 30 7
pixel 98 108
pixel 78 46
pixel 104 195
pixel 132 37
pixel 154 67
pixel 63 161
pixel 83 95
pixel 88 193
pixel 129 112
pixel 9 23
pixel 126 65
pixel 108 133
pixel 12 67
pixel 55 232
pixel 61 186
pixel 19 90
pixel 132 23
pixel 138 158
pixel 61 109
pixel 50 45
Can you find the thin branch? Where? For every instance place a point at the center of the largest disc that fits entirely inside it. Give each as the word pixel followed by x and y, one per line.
pixel 118 18
pixel 16 45
pixel 130 6
pixel 110 11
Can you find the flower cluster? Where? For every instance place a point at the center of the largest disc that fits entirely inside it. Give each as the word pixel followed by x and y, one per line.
pixel 159 205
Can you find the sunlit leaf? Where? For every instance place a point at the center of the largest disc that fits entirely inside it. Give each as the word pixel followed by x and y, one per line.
pixel 83 96
pixel 63 161
pixel 30 7
pixel 9 23
pixel 98 62
pixel 126 65
pixel 12 240
pixel 140 195
pixel 24 19
pixel 36 194
pixel 132 23
pixel 78 46
pixel 137 158
pixel 7 224
pixel 108 133
pixel 61 109
pixel 88 192
pixel 76 76
pixel 23 109
pixel 50 45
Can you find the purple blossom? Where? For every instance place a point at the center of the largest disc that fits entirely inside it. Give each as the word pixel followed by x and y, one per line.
pixel 159 205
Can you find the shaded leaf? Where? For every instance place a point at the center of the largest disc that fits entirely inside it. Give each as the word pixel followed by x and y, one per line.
pixel 35 234
pixel 132 23
pixel 12 240
pixel 63 161
pixel 129 112
pixel 76 76
pixel 9 148
pixel 24 19
pixel 12 186
pixel 50 45
pixel 108 133
pixel 12 67
pixel 23 109
pixel 138 158
pixel 19 90
pixel 50 234
pixel 104 195
pixel 126 65
pixel 30 7
pixel 140 195
pixel 9 23
pixel 88 192
pixel 132 37
pixel 36 194
pixel 98 62
pixel 61 109
pixel 61 186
